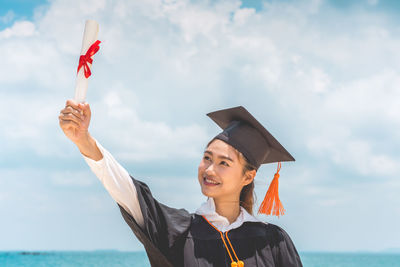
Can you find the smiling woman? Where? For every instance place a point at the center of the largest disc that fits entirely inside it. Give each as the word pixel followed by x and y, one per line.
pixel 222 232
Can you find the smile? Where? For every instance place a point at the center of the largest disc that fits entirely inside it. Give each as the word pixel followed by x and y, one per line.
pixel 208 181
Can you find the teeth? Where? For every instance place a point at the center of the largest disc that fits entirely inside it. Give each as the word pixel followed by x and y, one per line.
pixel 210 181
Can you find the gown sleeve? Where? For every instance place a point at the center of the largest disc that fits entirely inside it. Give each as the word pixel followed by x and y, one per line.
pixel 116 181
pixel 164 229
pixel 284 251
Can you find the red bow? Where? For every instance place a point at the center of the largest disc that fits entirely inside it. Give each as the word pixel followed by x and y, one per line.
pixel 87 58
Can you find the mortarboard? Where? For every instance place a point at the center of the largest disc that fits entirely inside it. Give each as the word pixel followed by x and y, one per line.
pixel 243 132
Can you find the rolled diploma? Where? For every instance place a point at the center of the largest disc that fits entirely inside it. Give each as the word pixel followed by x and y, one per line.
pixel 89 37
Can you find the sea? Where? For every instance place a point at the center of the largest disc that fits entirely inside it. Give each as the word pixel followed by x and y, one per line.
pixel 139 259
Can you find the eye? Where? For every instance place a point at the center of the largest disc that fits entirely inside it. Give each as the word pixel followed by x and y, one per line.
pixel 224 163
pixel 206 158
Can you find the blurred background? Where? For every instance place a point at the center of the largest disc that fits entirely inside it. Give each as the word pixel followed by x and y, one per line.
pixel 322 76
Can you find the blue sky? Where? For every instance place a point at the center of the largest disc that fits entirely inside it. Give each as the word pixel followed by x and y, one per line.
pixel 322 76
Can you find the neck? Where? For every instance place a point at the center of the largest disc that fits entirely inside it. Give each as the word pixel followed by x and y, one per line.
pixel 228 209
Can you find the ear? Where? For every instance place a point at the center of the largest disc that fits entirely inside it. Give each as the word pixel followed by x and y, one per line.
pixel 249 177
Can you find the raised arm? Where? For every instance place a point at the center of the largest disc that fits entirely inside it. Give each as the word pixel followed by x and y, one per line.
pixel 74 120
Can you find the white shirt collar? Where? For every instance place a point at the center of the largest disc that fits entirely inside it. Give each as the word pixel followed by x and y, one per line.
pixel 207 209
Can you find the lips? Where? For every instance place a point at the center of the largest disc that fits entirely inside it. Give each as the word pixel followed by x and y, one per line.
pixel 209 181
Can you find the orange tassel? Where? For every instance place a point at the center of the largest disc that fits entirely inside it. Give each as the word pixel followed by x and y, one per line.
pixel 272 203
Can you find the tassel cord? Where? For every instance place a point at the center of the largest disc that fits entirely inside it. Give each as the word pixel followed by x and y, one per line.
pixel 239 263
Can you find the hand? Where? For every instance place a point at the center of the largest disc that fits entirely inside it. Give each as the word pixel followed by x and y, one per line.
pixel 74 120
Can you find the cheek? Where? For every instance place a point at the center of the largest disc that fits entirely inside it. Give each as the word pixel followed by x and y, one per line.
pixel 200 169
pixel 235 180
pixel 201 166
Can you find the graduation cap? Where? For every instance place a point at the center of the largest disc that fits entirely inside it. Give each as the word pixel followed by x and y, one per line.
pixel 243 132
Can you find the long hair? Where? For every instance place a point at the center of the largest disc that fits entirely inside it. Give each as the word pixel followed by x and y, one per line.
pixel 247 196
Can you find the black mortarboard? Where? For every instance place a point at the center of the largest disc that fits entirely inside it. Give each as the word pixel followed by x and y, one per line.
pixel 242 131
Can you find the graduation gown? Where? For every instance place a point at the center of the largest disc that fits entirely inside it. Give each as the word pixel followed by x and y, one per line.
pixel 175 237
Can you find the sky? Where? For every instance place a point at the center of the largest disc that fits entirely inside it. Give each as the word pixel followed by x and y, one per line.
pixel 322 76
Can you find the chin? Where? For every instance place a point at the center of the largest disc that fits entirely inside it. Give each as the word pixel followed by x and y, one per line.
pixel 206 193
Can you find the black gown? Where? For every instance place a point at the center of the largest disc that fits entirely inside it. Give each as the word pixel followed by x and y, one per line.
pixel 175 237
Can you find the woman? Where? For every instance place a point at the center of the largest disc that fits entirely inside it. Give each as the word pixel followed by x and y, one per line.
pixel 222 232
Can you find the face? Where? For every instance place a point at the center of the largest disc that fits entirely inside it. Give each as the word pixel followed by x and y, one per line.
pixel 220 172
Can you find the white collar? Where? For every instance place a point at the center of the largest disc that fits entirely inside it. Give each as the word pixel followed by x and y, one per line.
pixel 207 209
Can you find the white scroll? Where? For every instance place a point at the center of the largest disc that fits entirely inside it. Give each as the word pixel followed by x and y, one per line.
pixel 89 38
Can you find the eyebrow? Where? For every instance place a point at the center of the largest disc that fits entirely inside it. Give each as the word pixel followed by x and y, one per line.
pixel 220 156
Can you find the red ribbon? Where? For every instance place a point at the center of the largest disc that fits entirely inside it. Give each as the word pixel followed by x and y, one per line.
pixel 87 58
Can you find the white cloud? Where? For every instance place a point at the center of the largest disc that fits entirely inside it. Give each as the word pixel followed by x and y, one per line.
pixel 18 29
pixel 349 112
pixel 140 140
pixel 242 15
pixel 32 61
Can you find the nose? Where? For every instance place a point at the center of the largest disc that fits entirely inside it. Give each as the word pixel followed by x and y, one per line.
pixel 210 169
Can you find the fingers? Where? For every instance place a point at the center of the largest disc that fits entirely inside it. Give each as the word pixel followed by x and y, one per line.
pixel 65 124
pixel 78 114
pixel 74 105
pixel 67 121
pixel 72 114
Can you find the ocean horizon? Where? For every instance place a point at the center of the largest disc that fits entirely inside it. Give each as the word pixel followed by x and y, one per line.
pixel 139 258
